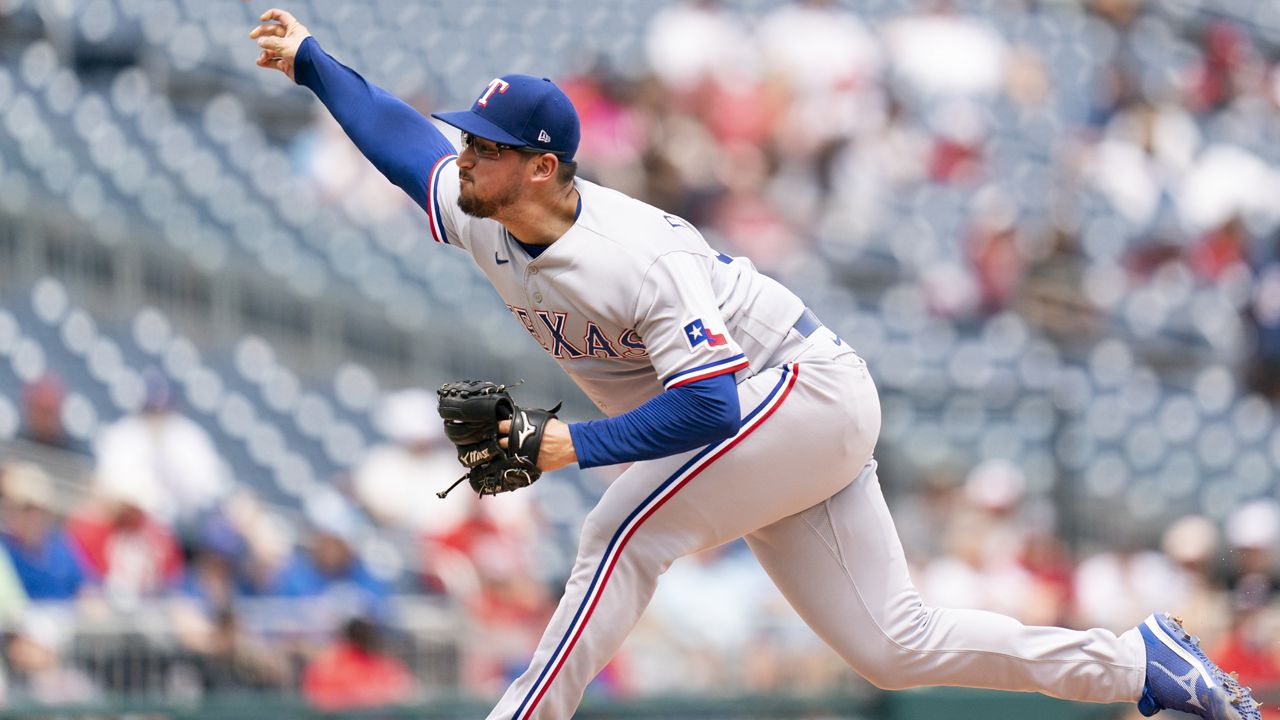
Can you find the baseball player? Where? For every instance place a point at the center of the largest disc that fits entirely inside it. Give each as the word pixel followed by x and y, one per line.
pixel 740 413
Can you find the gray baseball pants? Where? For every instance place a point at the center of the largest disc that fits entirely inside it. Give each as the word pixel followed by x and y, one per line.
pixel 799 482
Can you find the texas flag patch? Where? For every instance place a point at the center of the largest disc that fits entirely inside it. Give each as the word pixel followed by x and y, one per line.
pixel 696 333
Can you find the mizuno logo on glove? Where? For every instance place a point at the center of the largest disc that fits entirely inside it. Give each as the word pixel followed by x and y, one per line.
pixel 526 429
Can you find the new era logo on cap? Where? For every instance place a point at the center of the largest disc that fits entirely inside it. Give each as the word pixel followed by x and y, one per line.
pixel 522 111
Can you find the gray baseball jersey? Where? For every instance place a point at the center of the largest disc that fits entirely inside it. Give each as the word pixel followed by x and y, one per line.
pixel 631 300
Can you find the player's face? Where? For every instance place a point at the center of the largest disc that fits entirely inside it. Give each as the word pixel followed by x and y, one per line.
pixel 490 176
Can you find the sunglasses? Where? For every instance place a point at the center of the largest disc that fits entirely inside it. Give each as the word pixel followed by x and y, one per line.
pixel 485 149
pixel 490 150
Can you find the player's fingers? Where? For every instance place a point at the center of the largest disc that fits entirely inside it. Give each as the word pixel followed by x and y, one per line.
pixel 504 427
pixel 269 61
pixel 270 44
pixel 281 16
pixel 261 30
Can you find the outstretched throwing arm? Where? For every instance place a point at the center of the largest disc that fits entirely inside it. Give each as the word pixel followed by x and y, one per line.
pixel 397 139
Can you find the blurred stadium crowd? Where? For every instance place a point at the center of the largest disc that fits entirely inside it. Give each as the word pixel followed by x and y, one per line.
pixel 1050 227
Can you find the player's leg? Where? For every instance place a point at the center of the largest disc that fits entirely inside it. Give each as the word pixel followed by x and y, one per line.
pixel 612 580
pixel 841 566
pixel 660 510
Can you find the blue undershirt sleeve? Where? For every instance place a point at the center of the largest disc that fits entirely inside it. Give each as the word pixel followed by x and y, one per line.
pixel 676 420
pixel 398 140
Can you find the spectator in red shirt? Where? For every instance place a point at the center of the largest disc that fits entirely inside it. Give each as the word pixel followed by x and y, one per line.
pixel 355 672
pixel 124 547
pixel 1250 647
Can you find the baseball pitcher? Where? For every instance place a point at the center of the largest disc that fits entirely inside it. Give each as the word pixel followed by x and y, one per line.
pixel 740 413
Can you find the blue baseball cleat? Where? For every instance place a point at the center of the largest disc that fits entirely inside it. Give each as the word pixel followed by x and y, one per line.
pixel 1181 677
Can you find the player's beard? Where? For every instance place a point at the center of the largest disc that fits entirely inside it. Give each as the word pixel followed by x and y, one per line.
pixel 487 208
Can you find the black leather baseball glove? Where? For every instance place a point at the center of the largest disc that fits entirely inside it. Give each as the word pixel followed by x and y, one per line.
pixel 472 410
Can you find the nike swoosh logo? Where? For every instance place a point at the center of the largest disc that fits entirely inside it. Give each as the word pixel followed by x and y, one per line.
pixel 499 260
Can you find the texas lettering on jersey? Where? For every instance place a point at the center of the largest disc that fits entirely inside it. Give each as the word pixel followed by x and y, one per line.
pixel 594 343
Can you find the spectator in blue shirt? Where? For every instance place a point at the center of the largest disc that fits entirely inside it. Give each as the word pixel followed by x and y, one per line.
pixel 329 567
pixel 43 555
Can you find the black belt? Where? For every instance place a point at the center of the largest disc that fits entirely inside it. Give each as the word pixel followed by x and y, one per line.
pixel 807 324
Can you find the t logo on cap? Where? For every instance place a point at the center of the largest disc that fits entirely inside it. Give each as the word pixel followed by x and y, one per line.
pixel 496 84
pixel 533 114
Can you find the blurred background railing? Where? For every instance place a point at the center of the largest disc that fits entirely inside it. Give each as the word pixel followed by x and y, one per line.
pixel 1049 226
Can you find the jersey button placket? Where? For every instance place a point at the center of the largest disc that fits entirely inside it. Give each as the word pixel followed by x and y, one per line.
pixel 537 296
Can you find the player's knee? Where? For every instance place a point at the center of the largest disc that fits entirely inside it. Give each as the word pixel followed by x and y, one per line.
pixel 598 530
pixel 888 667
pixel 895 659
pixel 888 681
pixel 645 551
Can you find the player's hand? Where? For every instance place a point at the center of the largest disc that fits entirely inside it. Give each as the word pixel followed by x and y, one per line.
pixel 556 450
pixel 279 37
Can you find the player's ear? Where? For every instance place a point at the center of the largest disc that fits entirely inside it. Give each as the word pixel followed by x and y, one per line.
pixel 545 167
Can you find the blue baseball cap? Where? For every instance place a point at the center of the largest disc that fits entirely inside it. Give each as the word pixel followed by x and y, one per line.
pixel 522 111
